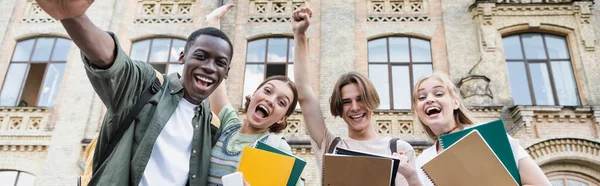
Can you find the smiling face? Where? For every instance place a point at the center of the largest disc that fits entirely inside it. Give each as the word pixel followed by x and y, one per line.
pixel 269 104
pixel 206 65
pixel 354 112
pixel 435 105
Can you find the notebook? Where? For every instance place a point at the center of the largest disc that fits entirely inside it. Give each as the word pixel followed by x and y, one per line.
pixel 343 170
pixel 495 135
pixel 262 167
pixel 348 152
pixel 298 167
pixel 468 162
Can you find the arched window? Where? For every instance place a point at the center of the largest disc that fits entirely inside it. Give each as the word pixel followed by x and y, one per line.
pixel 395 65
pixel 267 57
pixel 16 178
pixel 35 72
pixel 161 53
pixel 570 179
pixel 540 70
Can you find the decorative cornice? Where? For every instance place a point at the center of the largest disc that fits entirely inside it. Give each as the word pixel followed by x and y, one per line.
pixel 571 146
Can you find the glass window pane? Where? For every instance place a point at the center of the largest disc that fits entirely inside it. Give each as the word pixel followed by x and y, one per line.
pixel 564 82
pixel 420 71
pixel 541 84
pixel 275 69
pixel 12 84
pixel 534 46
pixel 290 72
pixel 8 178
pixel 51 84
pixel 175 68
pixel 252 78
pixel 378 50
pixel 26 179
pixel 575 183
pixel 519 86
pixel 557 182
pixel 42 49
pixel 139 50
pixel 160 50
pixel 61 49
pixel 277 50
pixel 176 49
pixel 162 68
pixel 401 87
pixel 256 51
pixel 291 51
pixel 23 50
pixel 557 47
pixel 421 50
pixel 512 47
pixel 378 74
pixel 399 49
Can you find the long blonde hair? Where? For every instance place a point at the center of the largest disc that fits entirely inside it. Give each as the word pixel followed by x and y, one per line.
pixel 462 116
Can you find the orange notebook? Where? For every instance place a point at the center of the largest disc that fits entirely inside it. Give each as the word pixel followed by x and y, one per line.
pixel 468 162
pixel 262 167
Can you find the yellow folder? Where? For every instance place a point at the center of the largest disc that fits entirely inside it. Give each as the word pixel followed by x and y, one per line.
pixel 262 167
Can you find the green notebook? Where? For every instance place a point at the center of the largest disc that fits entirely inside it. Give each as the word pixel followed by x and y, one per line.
pixel 496 137
pixel 299 164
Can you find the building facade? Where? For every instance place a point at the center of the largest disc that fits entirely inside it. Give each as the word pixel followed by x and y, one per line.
pixel 532 63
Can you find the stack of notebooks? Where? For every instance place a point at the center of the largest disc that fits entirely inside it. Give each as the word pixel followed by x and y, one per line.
pixel 355 168
pixel 480 155
pixel 266 165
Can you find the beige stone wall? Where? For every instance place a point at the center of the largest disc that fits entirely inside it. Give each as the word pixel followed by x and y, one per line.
pixel 466 40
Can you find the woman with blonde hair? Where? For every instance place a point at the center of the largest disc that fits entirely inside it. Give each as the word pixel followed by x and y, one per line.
pixel 438 107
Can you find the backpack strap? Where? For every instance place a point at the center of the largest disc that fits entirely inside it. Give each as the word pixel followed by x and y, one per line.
pixel 334 143
pixel 146 95
pixel 393 145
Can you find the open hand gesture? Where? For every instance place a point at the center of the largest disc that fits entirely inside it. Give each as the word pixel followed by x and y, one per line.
pixel 301 20
pixel 214 17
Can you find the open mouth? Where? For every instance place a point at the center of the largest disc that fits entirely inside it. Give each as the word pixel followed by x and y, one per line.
pixel 433 110
pixel 356 117
pixel 262 111
pixel 204 81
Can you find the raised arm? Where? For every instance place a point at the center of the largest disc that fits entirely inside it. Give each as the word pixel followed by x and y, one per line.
pixel 218 99
pixel 309 102
pixel 96 44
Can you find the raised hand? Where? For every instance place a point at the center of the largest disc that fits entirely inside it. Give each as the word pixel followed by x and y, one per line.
pixel 64 9
pixel 214 17
pixel 301 20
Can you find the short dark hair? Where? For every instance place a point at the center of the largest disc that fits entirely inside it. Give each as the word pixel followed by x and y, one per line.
pixel 209 31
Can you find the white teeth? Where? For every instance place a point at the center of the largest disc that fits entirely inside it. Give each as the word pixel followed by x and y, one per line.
pixel 428 110
pixel 204 79
pixel 357 116
pixel 265 108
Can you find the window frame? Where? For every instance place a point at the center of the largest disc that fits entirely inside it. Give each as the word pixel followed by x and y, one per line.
pixel 16 180
pixel 266 62
pixel 547 62
pixel 29 62
pixel 391 64
pixel 168 62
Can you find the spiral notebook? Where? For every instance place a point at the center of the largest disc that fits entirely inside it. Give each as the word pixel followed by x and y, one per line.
pixel 468 162
pixel 495 136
